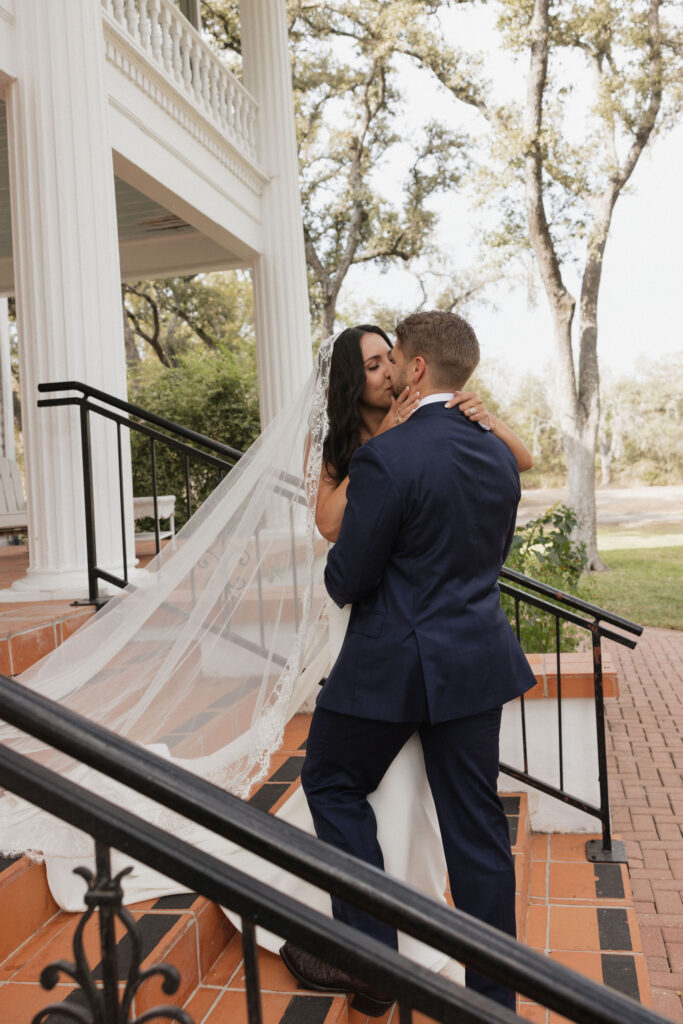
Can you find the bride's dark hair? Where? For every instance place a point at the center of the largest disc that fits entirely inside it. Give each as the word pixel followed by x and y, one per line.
pixel 347 382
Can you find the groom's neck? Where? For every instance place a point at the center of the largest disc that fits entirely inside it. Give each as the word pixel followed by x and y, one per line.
pixel 427 386
pixel 426 392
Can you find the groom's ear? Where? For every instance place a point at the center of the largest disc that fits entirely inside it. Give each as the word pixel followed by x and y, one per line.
pixel 419 367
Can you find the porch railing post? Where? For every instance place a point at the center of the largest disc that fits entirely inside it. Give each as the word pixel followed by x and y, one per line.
pixel 602 742
pixel 605 849
pixel 90 542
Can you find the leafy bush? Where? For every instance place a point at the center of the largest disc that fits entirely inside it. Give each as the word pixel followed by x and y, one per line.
pixel 212 393
pixel 544 548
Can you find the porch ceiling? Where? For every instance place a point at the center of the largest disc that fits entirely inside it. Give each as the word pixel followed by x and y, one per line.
pixel 153 242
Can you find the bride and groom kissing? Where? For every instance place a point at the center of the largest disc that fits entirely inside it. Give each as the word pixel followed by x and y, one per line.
pixel 421 502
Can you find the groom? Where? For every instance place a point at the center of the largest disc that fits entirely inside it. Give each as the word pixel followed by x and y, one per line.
pixel 429 522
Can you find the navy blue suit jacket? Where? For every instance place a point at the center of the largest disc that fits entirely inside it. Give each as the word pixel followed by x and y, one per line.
pixel 429 522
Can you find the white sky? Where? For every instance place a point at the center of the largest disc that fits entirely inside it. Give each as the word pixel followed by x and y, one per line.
pixel 641 299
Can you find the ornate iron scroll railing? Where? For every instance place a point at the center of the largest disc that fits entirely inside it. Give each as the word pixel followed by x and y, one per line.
pixel 491 952
pixel 561 607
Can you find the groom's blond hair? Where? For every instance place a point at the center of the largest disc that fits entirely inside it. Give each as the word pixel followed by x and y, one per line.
pixel 447 343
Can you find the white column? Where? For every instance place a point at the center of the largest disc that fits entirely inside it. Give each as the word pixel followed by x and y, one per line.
pixel 6 398
pixel 282 320
pixel 67 281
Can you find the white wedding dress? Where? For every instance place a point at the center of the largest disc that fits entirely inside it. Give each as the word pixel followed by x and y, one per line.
pixel 203 658
pixel 407 829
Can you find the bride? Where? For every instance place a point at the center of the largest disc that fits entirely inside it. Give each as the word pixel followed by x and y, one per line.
pixel 203 658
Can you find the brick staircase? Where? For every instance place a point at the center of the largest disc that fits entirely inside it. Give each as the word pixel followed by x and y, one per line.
pixel 575 912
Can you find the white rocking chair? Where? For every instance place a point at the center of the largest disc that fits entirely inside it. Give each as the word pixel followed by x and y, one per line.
pixel 13 514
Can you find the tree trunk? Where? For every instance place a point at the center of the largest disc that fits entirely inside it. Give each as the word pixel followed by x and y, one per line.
pixel 582 471
pixel 579 426
pixel 605 461
pixel 132 354
pixel 579 433
pixel 579 447
pixel 577 399
pixel 328 316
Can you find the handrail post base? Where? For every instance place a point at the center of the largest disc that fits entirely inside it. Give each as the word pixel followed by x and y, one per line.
pixel 597 854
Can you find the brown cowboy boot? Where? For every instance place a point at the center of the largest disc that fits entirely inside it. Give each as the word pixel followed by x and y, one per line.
pixel 320 976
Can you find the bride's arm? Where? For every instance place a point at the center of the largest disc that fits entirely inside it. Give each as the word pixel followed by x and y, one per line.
pixel 474 409
pixel 329 509
pixel 330 500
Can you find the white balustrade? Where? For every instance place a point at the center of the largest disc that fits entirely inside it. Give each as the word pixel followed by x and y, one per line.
pixel 155 31
pixel 197 70
pixel 174 46
pixel 166 36
pixel 133 19
pixel 143 25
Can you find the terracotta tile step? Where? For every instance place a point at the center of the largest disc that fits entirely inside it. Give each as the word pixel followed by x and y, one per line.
pixel 573 911
pixel 185 930
pixel 29 632
pixel 581 915
pixel 26 903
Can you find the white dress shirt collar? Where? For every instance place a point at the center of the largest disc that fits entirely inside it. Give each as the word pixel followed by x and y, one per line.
pixel 442 396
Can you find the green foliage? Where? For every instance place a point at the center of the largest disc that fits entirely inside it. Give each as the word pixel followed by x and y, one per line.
pixel 347 77
pixel 544 549
pixel 643 585
pixel 212 393
pixel 641 415
pixel 640 428
pixel 609 84
pixel 347 88
pixel 172 315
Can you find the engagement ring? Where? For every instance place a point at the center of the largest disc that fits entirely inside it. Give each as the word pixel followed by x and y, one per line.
pixel 472 410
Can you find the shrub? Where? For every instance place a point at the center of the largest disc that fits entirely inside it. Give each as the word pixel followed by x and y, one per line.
pixel 544 549
pixel 214 393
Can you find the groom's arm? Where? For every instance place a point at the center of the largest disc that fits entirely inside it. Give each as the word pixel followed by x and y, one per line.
pixel 371 522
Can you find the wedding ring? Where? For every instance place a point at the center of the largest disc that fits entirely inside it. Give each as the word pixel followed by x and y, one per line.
pixel 398 418
pixel 472 410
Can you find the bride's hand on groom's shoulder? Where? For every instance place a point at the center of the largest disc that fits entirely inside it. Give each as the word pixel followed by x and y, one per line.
pixel 402 408
pixel 470 405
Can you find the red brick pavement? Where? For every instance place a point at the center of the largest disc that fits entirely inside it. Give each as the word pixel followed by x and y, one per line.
pixel 645 750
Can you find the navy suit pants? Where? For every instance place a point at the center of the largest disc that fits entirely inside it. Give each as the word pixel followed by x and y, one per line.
pixel 346 758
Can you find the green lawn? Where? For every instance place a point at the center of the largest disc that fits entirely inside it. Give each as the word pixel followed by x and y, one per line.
pixel 644 584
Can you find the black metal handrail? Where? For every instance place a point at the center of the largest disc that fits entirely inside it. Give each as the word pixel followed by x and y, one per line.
pixel 570 601
pixel 134 410
pixel 487 950
pixel 562 607
pixel 93 401
pixel 218 456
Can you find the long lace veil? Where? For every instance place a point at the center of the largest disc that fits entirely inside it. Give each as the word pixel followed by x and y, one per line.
pixel 210 650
